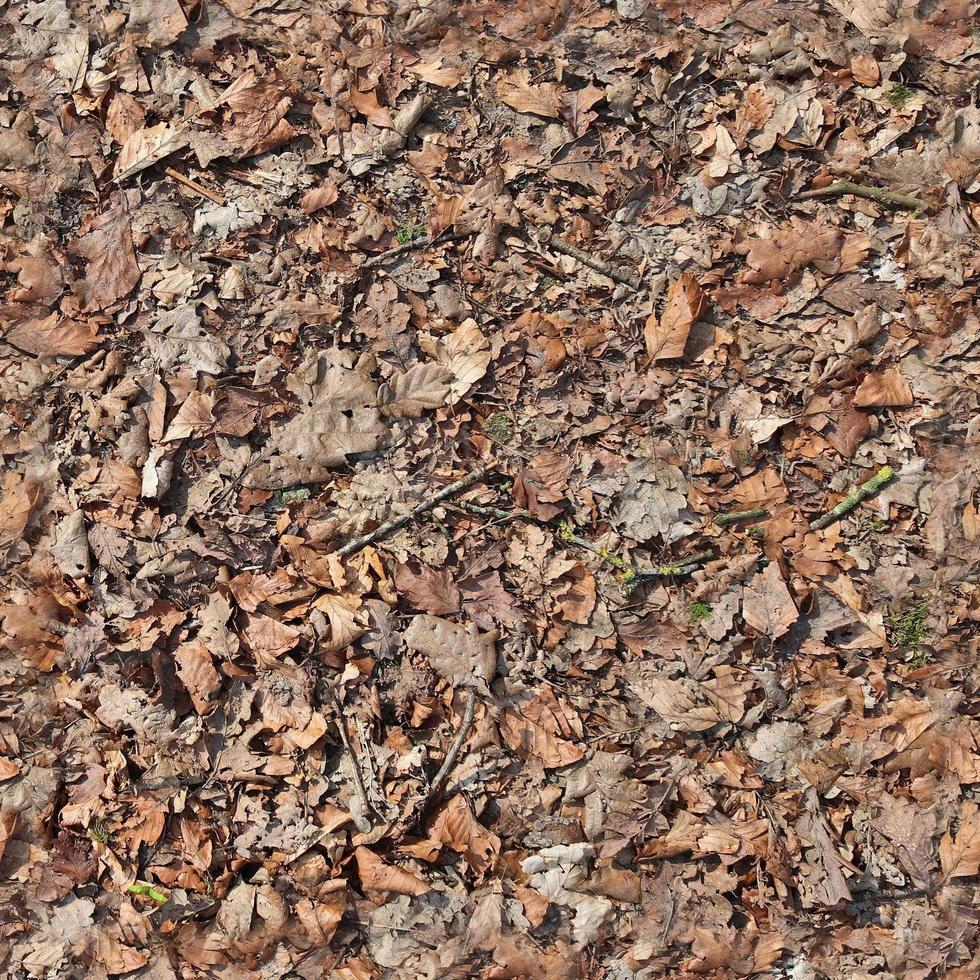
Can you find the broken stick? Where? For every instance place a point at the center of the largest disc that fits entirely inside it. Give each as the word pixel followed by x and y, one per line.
pixel 888 198
pixel 449 763
pixel 193 185
pixel 389 527
pixel 867 489
pixel 545 237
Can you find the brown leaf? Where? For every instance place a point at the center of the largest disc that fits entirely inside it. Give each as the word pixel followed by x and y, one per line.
pixel 409 393
pixel 791 248
pixel 520 93
pixel 366 103
pixel 197 673
pixel 767 605
pixel 463 656
pixel 885 389
pixel 46 335
pixel 319 197
pixel 578 104
pixel 959 853
pixel 107 248
pixel 379 879
pixel 146 147
pixel 666 338
pixel 534 728
pixel 456 826
pixel 430 589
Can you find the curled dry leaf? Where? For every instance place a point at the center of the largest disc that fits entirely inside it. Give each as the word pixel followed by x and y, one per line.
pixel 146 147
pixel 380 880
pixel 456 826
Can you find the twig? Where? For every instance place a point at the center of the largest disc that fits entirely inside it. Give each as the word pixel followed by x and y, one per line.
pixel 413 246
pixel 888 198
pixel 632 576
pixel 865 490
pixel 399 522
pixel 449 764
pixel 737 516
pixel 545 237
pixel 193 185
pixel 358 780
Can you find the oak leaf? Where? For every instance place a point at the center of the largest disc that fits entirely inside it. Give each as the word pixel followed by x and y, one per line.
pixel 665 338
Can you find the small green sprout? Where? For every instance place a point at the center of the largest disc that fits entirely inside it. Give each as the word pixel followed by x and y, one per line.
pixel 898 95
pixel 409 232
pixel 98 832
pixel 907 629
pixel 565 532
pixel 499 426
pixel 142 888
pixel 697 612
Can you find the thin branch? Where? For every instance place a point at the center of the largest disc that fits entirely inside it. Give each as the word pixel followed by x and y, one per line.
pixel 867 489
pixel 449 764
pixel 545 237
pixel 888 198
pixel 737 516
pixel 193 185
pixel 389 527
pixel 631 575
pixel 358 779
pixel 413 246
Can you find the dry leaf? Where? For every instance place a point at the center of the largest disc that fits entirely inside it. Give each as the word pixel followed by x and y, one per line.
pixel 106 246
pixel 456 826
pixel 462 655
pixel 520 93
pixel 430 589
pixel 666 338
pixel 408 394
pixel 379 879
pixel 146 147
pixel 959 853
pixel 885 389
pixel 767 605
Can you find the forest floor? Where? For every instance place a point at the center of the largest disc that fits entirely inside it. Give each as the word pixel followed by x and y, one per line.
pixel 274 273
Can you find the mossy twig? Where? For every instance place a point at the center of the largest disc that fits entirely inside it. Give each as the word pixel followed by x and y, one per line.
pixel 867 489
pixel 888 198
pixel 738 516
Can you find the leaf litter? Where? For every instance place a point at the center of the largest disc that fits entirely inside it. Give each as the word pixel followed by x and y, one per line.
pixel 385 386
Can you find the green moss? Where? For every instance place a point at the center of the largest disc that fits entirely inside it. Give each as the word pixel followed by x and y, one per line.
pixel 565 532
pixel 907 629
pixel 499 426
pixel 898 95
pixel 98 832
pixel 697 612
pixel 409 232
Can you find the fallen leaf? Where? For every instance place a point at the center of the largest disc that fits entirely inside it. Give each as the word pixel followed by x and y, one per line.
pixel 430 589
pixel 767 605
pixel 409 393
pixel 106 246
pixel 885 389
pixel 379 879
